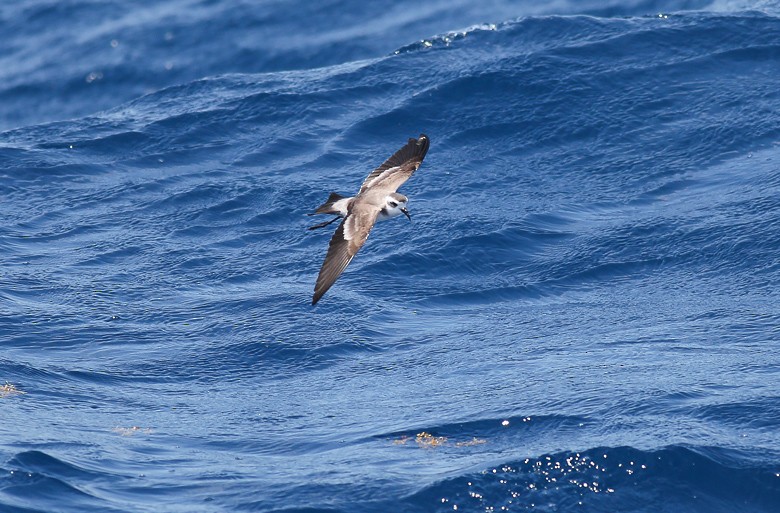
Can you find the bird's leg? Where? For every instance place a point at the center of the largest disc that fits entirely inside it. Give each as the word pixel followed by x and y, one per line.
pixel 326 223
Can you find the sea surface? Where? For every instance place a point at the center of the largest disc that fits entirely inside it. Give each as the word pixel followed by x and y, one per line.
pixel 582 316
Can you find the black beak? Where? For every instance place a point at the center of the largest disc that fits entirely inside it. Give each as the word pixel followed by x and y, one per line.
pixel 406 213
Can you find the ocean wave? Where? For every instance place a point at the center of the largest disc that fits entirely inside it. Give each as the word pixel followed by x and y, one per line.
pixel 616 479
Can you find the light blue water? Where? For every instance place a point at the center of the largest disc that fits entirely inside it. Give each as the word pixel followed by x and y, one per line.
pixel 582 315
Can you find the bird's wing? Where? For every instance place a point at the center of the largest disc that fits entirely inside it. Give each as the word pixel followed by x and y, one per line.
pixel 348 239
pixel 399 167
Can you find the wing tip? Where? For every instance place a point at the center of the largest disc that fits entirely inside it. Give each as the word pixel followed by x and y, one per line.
pixel 422 143
pixel 319 291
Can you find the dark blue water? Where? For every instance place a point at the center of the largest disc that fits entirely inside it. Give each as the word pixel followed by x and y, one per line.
pixel 583 315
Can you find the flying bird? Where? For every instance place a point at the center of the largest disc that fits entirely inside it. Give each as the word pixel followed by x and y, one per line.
pixel 377 200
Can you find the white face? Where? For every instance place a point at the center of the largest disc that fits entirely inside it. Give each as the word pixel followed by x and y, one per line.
pixel 394 206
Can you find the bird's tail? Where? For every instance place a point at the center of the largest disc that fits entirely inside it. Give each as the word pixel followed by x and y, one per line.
pixel 327 207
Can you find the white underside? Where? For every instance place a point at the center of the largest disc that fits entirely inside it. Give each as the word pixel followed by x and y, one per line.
pixel 389 215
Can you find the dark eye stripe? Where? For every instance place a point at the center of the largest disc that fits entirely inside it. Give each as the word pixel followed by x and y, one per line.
pixel 393 204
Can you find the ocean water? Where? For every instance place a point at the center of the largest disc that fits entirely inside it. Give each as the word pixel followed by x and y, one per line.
pixel 582 316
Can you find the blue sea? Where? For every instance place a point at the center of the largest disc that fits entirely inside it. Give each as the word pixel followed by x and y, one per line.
pixel 582 316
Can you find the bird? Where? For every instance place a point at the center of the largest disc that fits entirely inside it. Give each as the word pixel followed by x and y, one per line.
pixel 376 200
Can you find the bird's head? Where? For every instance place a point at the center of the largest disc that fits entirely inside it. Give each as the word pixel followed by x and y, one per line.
pixel 396 205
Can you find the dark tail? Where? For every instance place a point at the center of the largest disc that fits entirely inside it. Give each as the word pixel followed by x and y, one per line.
pixel 327 207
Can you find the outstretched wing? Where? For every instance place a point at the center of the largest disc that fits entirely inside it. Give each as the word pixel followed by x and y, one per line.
pixel 400 166
pixel 344 245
